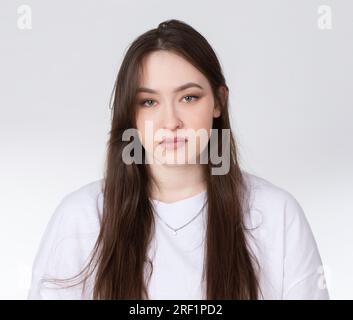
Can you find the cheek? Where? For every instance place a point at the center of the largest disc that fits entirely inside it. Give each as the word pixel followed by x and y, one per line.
pixel 140 128
pixel 147 128
pixel 205 120
pixel 201 120
pixel 201 123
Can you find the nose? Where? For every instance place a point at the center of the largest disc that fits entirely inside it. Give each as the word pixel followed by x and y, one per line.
pixel 170 117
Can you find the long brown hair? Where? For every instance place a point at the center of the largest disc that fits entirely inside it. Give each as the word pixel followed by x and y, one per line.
pixel 128 225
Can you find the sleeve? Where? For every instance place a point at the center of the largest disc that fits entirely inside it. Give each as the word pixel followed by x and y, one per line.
pixel 50 262
pixel 304 278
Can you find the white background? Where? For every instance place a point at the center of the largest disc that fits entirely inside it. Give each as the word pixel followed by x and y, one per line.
pixel 291 103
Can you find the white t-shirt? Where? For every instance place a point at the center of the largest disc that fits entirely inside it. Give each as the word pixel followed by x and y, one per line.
pixel 282 241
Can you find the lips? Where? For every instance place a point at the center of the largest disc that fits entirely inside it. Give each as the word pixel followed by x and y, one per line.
pixel 173 140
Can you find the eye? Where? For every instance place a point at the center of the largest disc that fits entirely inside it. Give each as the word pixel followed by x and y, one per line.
pixel 189 100
pixel 144 101
pixel 150 101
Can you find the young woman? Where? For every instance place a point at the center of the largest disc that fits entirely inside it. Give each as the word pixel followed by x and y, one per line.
pixel 167 229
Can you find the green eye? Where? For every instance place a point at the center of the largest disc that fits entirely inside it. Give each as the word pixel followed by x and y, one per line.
pixel 196 97
pixel 150 101
pixel 143 102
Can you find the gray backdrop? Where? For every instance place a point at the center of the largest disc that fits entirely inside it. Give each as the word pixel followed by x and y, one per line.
pixel 290 75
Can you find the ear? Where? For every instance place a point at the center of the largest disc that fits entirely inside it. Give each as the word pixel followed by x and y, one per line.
pixel 223 94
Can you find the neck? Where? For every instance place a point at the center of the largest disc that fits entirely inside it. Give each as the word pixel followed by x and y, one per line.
pixel 176 182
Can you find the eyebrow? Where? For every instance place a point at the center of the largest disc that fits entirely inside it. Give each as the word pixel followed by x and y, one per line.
pixel 182 87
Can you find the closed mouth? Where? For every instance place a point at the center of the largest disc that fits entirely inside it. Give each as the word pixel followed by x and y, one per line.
pixel 174 140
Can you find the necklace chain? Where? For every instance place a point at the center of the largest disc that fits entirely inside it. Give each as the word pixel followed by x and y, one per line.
pixel 183 226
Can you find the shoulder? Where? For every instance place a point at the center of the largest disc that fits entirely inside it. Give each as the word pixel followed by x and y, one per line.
pixel 80 208
pixel 84 195
pixel 77 215
pixel 264 190
pixel 68 240
pixel 266 194
pixel 270 203
pixel 286 249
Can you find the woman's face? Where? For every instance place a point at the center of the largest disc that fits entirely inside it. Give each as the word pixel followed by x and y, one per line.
pixel 174 100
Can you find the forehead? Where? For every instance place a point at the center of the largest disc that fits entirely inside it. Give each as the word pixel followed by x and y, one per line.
pixel 165 70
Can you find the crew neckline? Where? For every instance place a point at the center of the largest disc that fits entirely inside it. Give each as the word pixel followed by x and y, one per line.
pixel 177 202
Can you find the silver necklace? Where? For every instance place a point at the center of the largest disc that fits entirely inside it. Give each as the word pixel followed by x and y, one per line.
pixel 177 229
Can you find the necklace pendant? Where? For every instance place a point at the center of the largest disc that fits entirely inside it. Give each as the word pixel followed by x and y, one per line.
pixel 175 233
